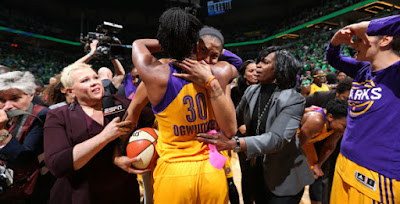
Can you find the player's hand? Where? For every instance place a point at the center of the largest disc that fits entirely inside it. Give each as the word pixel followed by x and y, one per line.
pixel 343 36
pixel 125 163
pixel 346 34
pixel 317 171
pixel 198 72
pixel 360 31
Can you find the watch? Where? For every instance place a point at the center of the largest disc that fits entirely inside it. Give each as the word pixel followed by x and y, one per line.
pixel 4 136
pixel 237 148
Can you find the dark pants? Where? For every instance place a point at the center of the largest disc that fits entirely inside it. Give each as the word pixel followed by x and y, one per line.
pixel 316 190
pixel 253 183
pixel 254 188
pixel 233 193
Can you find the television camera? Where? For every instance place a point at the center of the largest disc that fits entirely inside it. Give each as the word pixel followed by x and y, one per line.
pixel 109 46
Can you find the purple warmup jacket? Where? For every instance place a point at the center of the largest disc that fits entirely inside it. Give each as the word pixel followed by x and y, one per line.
pixel 372 136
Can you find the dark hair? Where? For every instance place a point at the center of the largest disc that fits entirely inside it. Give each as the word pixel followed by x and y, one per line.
pixel 39 83
pixel 214 33
pixel 178 33
pixel 286 66
pixel 344 85
pixel 54 92
pixel 338 108
pixel 331 78
pixel 396 44
pixel 242 85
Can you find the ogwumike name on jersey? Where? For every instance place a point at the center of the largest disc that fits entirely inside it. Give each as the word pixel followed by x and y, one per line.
pixel 184 130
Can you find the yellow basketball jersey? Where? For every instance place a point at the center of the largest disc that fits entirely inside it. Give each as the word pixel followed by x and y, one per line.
pixel 184 111
pixel 315 88
pixel 312 154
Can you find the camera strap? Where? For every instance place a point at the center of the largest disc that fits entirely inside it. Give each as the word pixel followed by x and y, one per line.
pixel 21 120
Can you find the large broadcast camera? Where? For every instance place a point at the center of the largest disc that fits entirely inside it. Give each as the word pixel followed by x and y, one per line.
pixel 109 46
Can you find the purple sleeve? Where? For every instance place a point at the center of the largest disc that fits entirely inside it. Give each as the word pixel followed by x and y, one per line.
pixel 385 26
pixel 231 58
pixel 345 64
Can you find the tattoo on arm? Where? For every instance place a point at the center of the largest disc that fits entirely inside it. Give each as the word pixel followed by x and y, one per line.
pixel 217 92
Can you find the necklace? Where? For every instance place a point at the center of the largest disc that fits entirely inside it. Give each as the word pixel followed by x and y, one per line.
pixel 260 116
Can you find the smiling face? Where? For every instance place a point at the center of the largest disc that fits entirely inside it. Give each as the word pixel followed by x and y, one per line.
pixel 208 49
pixel 86 86
pixel 14 99
pixel 265 72
pixel 319 78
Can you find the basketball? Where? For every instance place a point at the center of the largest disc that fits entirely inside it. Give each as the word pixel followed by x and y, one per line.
pixel 142 143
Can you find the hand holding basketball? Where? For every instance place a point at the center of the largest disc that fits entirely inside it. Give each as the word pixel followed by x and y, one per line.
pixel 125 163
pixel 142 144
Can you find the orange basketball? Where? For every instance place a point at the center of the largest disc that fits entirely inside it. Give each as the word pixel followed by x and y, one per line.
pixel 142 143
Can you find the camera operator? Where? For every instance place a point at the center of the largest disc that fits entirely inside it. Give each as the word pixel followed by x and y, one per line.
pixel 109 82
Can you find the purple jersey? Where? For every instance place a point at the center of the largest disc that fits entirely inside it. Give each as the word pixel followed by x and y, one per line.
pixel 372 136
pixel 231 58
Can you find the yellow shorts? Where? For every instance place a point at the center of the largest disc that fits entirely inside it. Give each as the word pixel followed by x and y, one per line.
pixel 189 182
pixel 355 184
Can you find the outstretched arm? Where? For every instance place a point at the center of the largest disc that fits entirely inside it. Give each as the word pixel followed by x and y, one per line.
pixel 119 73
pixel 385 26
pixel 282 131
pixel 90 55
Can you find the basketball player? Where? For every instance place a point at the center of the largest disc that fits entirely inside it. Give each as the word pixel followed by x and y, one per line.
pixel 183 109
pixel 316 126
pixel 209 48
pixel 319 79
pixel 368 168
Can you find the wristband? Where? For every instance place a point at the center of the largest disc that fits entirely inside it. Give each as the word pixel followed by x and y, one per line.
pixel 209 82
pixel 90 54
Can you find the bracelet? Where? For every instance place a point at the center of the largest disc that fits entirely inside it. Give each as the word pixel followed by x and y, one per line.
pixel 90 54
pixel 209 82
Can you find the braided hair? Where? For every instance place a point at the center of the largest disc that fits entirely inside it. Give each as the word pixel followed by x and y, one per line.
pixel 178 33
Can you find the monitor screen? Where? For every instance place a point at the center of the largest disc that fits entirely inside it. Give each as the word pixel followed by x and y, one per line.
pixel 218 7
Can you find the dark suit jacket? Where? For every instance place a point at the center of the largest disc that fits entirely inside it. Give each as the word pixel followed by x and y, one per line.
pixel 286 169
pixel 66 127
